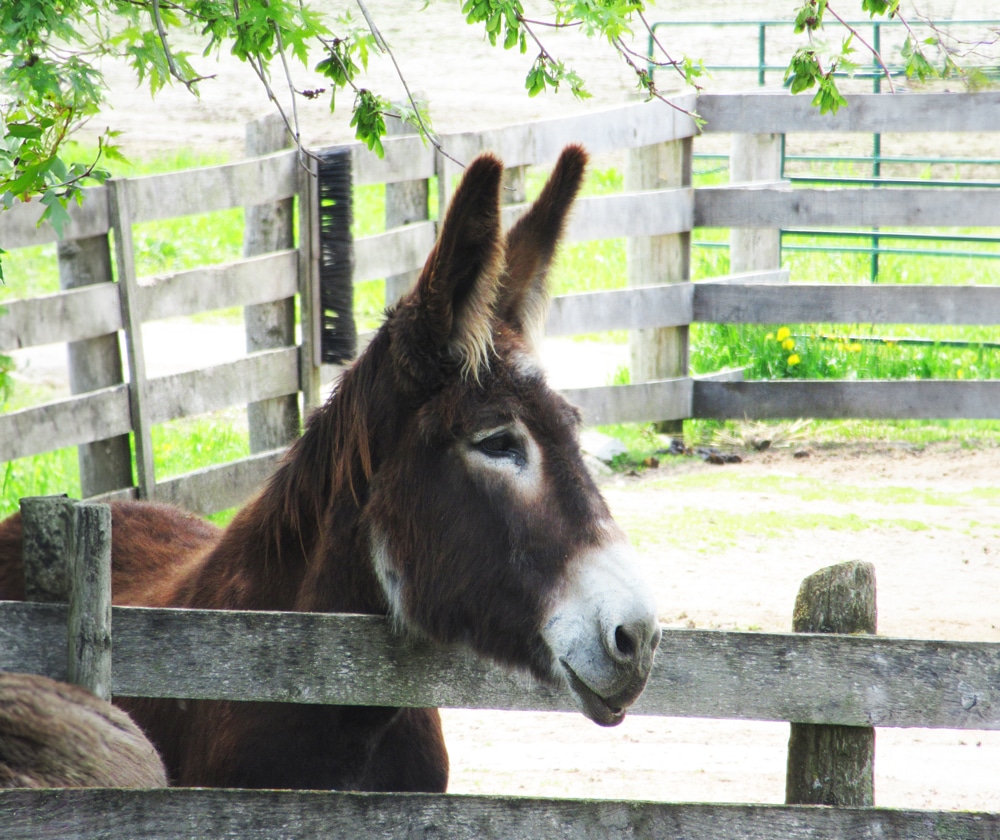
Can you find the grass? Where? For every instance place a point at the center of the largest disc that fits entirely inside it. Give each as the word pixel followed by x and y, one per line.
pixel 765 351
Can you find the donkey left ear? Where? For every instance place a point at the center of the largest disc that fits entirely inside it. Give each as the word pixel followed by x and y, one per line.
pixel 450 313
pixel 531 244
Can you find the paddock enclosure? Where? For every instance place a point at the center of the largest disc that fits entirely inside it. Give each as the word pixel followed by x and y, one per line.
pixel 842 680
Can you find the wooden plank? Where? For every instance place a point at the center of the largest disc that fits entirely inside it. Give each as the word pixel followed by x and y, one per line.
pixel 647 213
pixel 69 422
pixel 47 523
pixel 244 184
pixel 19 226
pixel 869 113
pixel 782 275
pixel 646 402
pixel 33 639
pixel 830 303
pixel 89 619
pixel 397 251
pixel 806 678
pixel 406 159
pixel 667 305
pixel 120 210
pixel 72 315
pixel 269 373
pixel 167 813
pixel 876 400
pixel 220 486
pixel 540 142
pixel 253 280
pixel 854 207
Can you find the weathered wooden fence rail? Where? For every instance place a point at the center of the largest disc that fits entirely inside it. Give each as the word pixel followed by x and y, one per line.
pixel 655 214
pixel 806 678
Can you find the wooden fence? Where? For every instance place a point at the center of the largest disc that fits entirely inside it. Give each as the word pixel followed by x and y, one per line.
pixel 655 214
pixel 855 681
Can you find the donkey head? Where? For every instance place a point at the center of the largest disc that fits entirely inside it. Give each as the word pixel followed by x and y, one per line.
pixel 484 524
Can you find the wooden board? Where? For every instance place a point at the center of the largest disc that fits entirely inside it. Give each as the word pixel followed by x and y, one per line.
pixel 540 142
pixel 830 303
pixel 260 376
pixel 316 658
pixel 68 422
pixel 666 399
pixel 877 400
pixel 19 225
pixel 667 305
pixel 783 113
pixel 735 207
pixel 396 251
pixel 73 315
pixel 245 282
pixel 262 815
pixel 244 184
pixel 220 486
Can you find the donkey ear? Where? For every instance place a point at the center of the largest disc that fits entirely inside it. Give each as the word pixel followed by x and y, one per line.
pixel 531 244
pixel 451 310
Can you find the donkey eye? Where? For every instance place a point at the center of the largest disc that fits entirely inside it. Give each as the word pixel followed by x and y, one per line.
pixel 503 445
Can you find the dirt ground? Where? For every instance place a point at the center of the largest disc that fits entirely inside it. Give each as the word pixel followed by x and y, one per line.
pixel 936 581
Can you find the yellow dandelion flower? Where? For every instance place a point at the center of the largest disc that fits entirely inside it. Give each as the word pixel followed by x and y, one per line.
pixel 788 344
pixel 855 347
pixel 960 373
pixel 793 359
pixel 769 337
pixel 783 333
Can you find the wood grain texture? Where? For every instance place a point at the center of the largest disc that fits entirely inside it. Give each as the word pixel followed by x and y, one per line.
pixel 89 618
pixel 19 226
pixel 167 813
pixel 401 250
pixel 846 207
pixel 269 373
pixel 833 765
pixel 646 402
pixel 67 422
pixel 220 486
pixel 881 400
pixel 314 658
pixel 72 315
pixel 782 113
pixel 248 183
pixel 831 303
pixel 665 305
pixel 540 142
pixel 261 279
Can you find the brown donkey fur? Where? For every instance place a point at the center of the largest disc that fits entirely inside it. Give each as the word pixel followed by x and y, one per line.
pixel 441 484
pixel 58 735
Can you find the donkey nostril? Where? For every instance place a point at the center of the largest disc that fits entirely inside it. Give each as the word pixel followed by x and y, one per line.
pixel 624 642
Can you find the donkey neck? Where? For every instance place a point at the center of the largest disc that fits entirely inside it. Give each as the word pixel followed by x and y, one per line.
pixel 301 544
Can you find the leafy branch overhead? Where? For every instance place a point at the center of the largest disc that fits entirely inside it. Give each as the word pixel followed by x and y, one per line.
pixel 51 53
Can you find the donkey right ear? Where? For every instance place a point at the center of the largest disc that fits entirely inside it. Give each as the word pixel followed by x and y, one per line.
pixel 531 245
pixel 450 314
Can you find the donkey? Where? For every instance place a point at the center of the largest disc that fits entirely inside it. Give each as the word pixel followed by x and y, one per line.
pixel 442 485
pixel 58 735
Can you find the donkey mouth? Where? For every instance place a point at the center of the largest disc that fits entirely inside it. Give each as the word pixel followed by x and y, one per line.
pixel 592 704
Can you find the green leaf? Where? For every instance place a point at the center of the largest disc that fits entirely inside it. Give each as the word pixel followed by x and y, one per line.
pixel 28 132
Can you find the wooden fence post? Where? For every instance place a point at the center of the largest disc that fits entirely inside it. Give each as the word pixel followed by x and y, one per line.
pixel 833 765
pixel 405 203
pixel 48 526
pixel 89 625
pixel 659 353
pixel 754 157
pixel 67 557
pixel 274 423
pixel 105 465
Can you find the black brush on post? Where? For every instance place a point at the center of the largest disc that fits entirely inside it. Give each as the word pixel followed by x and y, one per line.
pixel 339 334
